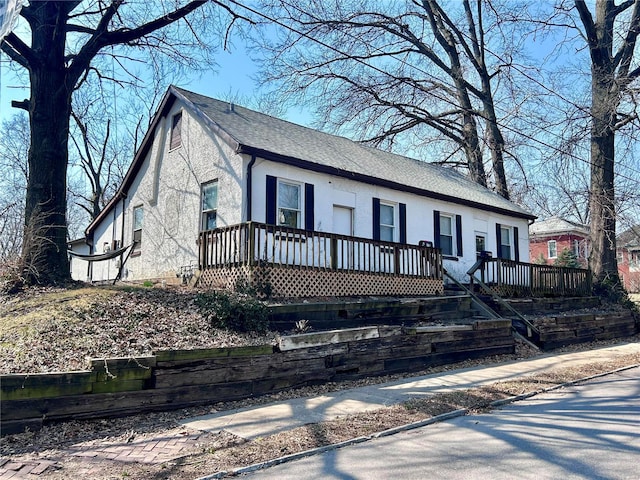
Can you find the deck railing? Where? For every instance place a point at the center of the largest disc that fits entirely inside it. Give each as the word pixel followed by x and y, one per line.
pixel 528 279
pixel 255 244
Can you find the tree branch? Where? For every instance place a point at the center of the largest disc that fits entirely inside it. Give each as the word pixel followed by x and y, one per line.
pixel 589 26
pixel 18 50
pixel 24 104
pixel 626 51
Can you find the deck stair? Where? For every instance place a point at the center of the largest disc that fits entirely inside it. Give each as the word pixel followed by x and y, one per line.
pixel 521 327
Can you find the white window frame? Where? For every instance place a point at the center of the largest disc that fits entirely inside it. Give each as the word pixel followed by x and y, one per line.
pixel 391 226
pixel 555 249
pixel 280 218
pixel 137 224
pixel 205 212
pixel 509 236
pixel 452 235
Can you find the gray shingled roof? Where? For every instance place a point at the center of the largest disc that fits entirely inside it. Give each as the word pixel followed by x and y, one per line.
pixel 259 131
pixel 557 225
pixel 630 237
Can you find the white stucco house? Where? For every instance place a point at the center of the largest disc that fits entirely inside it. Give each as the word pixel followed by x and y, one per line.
pixel 234 194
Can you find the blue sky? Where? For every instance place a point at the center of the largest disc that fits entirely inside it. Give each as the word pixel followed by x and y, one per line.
pixel 232 76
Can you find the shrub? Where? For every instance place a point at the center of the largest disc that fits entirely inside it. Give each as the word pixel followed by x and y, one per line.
pixel 611 290
pixel 233 311
pixel 567 258
pixel 11 278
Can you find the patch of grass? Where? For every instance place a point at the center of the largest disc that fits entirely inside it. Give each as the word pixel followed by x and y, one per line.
pixel 25 311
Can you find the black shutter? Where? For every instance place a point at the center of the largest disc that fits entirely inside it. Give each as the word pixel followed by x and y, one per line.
pixel 176 131
pixel 516 244
pixel 309 221
pixel 459 234
pixel 403 223
pixel 270 201
pixel 376 218
pixel 436 228
pixel 498 241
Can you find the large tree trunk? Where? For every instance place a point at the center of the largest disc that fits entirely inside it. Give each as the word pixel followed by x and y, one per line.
pixel 495 138
pixel 602 260
pixel 471 140
pixel 45 241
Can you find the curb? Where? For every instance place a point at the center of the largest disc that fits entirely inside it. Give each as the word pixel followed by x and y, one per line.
pixel 403 428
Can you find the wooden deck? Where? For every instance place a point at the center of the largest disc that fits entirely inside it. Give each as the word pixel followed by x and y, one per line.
pixel 299 263
pixel 290 262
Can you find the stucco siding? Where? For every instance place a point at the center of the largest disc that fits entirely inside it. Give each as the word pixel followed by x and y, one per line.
pixel 103 240
pixel 332 190
pixel 168 188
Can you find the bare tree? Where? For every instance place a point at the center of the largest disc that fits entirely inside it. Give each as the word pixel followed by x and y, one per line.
pixel 416 73
pixel 66 38
pixel 611 38
pixel 14 144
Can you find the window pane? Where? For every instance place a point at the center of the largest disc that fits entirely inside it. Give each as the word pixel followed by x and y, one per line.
pixel 505 233
pixel 446 244
pixel 288 218
pixel 506 251
pixel 480 243
pixel 210 196
pixel 386 215
pixel 289 196
pixel 445 225
pixel 386 234
pixel 210 220
pixel 138 215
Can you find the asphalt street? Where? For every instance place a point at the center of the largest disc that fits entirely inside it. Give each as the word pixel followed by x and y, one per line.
pixel 589 431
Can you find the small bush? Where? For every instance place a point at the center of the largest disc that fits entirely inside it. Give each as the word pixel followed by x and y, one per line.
pixel 11 278
pixel 612 290
pixel 567 258
pixel 233 311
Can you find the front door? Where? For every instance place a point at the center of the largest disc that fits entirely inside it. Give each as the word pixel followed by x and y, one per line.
pixel 481 243
pixel 343 225
pixel 343 220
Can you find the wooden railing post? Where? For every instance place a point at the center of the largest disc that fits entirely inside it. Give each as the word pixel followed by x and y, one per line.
pixel 334 253
pixel 396 260
pixel 251 255
pixel 203 250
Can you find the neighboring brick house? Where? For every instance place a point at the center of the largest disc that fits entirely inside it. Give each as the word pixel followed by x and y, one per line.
pixel 548 238
pixel 628 254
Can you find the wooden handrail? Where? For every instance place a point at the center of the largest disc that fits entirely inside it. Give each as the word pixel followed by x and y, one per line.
pixel 258 243
pixel 532 279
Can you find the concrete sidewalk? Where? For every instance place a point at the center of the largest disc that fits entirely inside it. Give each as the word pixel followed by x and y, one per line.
pixel 260 421
pixel 92 456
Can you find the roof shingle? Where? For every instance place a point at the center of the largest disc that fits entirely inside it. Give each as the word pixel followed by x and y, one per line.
pixel 282 138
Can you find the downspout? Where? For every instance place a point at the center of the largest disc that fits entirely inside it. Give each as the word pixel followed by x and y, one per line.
pixel 249 185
